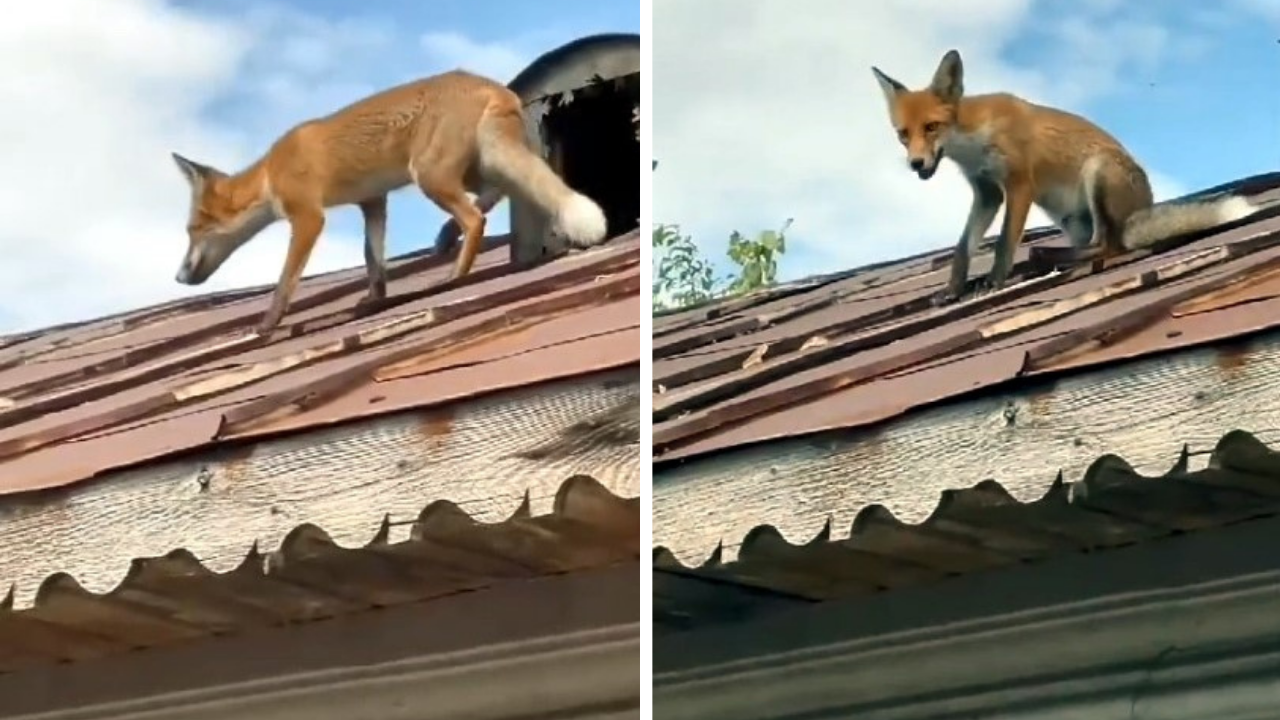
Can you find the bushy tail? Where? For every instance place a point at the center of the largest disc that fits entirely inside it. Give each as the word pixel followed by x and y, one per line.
pixel 1162 222
pixel 507 162
pixel 511 165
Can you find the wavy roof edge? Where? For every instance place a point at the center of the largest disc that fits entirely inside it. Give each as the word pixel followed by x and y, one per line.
pixel 1237 451
pixel 583 506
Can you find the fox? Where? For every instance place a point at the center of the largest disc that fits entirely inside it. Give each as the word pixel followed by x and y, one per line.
pixel 1017 153
pixel 449 134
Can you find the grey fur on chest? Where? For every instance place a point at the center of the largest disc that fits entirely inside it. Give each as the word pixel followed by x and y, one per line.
pixel 977 157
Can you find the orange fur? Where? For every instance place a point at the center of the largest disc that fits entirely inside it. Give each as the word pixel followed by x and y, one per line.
pixel 449 134
pixel 1017 153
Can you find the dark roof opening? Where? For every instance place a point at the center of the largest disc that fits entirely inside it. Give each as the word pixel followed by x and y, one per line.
pixel 594 148
pixel 585 95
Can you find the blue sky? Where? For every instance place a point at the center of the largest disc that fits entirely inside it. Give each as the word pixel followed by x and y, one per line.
pixel 1209 111
pixel 93 211
pixel 1188 86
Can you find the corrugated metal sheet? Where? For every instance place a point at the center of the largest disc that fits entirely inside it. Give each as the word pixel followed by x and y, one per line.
pixel 971 530
pixel 864 346
pixel 81 399
pixel 174 598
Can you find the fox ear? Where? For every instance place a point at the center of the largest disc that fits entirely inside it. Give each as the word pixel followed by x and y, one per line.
pixel 891 88
pixel 192 170
pixel 948 79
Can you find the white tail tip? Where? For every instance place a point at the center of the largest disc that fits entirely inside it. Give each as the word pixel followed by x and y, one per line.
pixel 581 221
pixel 1235 208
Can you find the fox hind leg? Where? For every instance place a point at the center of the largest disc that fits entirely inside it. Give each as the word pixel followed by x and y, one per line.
pixel 444 172
pixel 448 192
pixel 375 246
pixel 447 239
pixel 455 202
pixel 1078 227
pixel 1107 234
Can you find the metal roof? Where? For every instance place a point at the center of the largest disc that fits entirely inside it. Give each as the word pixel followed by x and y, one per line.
pixel 971 530
pixel 172 599
pixel 80 399
pixel 867 345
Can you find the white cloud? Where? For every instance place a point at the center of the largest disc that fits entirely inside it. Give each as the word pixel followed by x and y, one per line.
pixel 762 113
pixel 92 210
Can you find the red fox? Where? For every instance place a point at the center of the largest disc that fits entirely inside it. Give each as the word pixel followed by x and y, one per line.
pixel 1017 153
pixel 449 134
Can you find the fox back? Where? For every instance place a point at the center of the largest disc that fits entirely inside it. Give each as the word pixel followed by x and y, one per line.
pixel 366 148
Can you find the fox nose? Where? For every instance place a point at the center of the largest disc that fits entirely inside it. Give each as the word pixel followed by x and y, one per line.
pixel 917 164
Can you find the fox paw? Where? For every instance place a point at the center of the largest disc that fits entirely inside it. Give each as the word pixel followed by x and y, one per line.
pixel 944 297
pixel 985 286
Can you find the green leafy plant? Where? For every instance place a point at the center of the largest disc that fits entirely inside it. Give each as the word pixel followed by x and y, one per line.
pixel 757 259
pixel 683 277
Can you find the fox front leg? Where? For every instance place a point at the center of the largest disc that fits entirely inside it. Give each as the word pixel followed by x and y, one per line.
pixel 987 198
pixel 1018 199
pixel 305 227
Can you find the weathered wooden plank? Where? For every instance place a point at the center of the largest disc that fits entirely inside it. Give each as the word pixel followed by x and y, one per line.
pixel 482 455
pixel 531 296
pixel 779 360
pixel 1143 411
pixel 533 311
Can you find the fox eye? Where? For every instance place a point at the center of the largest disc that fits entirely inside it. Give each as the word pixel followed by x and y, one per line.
pixel 932 127
pixel 902 134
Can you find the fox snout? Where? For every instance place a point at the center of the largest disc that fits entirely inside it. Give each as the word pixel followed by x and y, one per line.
pixel 186 276
pixel 926 164
pixel 208 250
pixel 193 270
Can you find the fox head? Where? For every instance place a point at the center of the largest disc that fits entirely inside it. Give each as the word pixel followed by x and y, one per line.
pixel 922 117
pixel 221 219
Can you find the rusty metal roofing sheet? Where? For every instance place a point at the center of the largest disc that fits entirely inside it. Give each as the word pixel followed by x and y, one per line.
pixel 971 530
pixel 866 345
pixel 82 399
pixel 175 598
